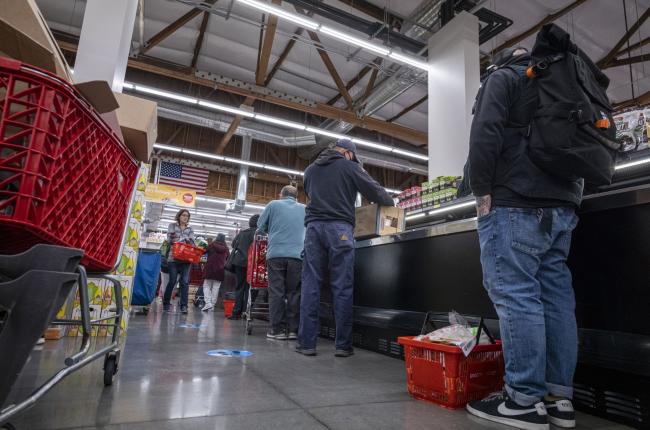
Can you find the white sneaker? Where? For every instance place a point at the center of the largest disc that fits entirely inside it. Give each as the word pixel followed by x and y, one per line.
pixel 40 341
pixel 207 307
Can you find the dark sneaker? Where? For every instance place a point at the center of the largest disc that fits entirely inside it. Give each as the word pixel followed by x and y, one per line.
pixel 279 335
pixel 344 352
pixel 499 408
pixel 184 309
pixel 292 335
pixel 561 413
pixel 305 351
pixel 167 308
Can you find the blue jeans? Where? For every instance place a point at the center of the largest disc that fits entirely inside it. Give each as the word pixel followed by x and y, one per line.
pixel 177 268
pixel 329 248
pixel 523 254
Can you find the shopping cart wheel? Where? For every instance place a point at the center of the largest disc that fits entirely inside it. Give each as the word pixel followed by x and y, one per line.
pixel 110 368
pixel 249 327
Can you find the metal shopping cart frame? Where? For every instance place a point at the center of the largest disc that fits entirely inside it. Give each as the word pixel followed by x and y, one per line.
pixel 110 352
pixel 257 278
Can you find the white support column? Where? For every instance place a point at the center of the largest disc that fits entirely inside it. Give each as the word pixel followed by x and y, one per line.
pixel 105 41
pixel 454 79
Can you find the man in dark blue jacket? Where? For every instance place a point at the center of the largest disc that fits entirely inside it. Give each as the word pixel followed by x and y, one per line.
pixel 332 183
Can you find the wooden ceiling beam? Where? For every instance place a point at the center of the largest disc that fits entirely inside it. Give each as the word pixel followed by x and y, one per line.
pixel 171 28
pixel 350 84
pixel 283 56
pixel 267 46
pixel 408 109
pixel 331 69
pixel 411 135
pixel 613 53
pixel 264 55
pixel 625 61
pixel 634 47
pixel 199 39
pixel 534 29
pixel 642 100
pixel 371 83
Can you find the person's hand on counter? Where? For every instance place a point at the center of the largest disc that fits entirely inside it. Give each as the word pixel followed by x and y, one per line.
pixel 483 205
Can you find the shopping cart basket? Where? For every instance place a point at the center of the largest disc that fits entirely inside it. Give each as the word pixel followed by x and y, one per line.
pixel 257 278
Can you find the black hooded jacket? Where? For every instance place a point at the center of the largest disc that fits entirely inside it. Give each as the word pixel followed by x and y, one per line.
pixel 332 183
pixel 498 150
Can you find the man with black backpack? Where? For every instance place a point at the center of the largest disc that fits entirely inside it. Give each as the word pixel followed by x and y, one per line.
pixel 526 201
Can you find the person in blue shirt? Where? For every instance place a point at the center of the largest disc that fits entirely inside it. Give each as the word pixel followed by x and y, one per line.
pixel 284 221
pixel 332 183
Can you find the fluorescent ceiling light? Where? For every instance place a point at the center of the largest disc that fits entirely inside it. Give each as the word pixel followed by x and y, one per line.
pixel 224 108
pixel 410 154
pixel 213 199
pixel 416 216
pixel 362 142
pixel 392 191
pixel 452 208
pixel 244 162
pixel 167 147
pixel 165 94
pixel 354 40
pixel 632 164
pixel 127 86
pixel 203 154
pixel 249 205
pixel 409 60
pixel 282 170
pixel 303 22
pixel 279 121
pixel 327 133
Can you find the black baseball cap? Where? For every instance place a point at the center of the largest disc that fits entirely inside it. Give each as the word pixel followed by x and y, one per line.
pixel 347 144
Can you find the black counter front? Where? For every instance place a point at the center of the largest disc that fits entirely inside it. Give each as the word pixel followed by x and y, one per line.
pixel 437 268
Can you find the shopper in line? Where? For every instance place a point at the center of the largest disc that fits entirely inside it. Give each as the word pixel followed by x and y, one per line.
pixel 525 220
pixel 179 231
pixel 218 253
pixel 332 183
pixel 284 221
pixel 240 246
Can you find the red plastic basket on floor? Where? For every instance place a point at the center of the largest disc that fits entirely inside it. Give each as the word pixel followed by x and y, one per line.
pixel 256 273
pixel 187 253
pixel 228 306
pixel 65 177
pixel 443 375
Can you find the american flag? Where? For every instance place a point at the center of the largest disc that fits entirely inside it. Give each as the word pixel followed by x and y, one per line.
pixel 183 176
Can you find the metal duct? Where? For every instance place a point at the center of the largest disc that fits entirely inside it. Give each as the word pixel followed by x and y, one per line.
pixel 404 77
pixel 242 180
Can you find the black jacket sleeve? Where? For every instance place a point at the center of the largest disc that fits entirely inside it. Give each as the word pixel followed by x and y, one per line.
pixel 369 188
pixel 486 133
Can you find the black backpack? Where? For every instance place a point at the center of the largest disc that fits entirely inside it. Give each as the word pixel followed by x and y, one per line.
pixel 572 133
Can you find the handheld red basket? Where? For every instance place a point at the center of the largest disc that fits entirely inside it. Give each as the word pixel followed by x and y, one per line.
pixel 228 306
pixel 256 273
pixel 442 374
pixel 186 253
pixel 65 177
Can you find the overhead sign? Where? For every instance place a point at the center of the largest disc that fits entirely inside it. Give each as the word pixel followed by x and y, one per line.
pixel 159 193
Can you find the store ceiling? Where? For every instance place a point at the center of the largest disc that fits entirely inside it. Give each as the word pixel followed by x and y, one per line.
pixel 230 47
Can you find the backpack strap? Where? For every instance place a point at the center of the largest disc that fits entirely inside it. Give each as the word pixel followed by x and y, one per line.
pixel 540 66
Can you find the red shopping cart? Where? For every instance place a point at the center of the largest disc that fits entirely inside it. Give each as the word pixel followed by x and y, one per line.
pixel 257 278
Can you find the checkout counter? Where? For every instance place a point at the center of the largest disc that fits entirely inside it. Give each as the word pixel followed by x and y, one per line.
pixel 434 266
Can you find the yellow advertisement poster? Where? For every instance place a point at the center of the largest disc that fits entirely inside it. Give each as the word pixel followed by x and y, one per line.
pixel 159 193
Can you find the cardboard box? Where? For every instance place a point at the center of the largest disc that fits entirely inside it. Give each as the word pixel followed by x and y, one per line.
pixel 25 36
pixel 374 220
pixel 138 119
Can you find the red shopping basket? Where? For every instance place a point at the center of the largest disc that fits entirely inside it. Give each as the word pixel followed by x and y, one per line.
pixel 442 374
pixel 186 253
pixel 256 273
pixel 65 178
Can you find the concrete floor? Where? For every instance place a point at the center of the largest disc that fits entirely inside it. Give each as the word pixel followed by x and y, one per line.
pixel 167 381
